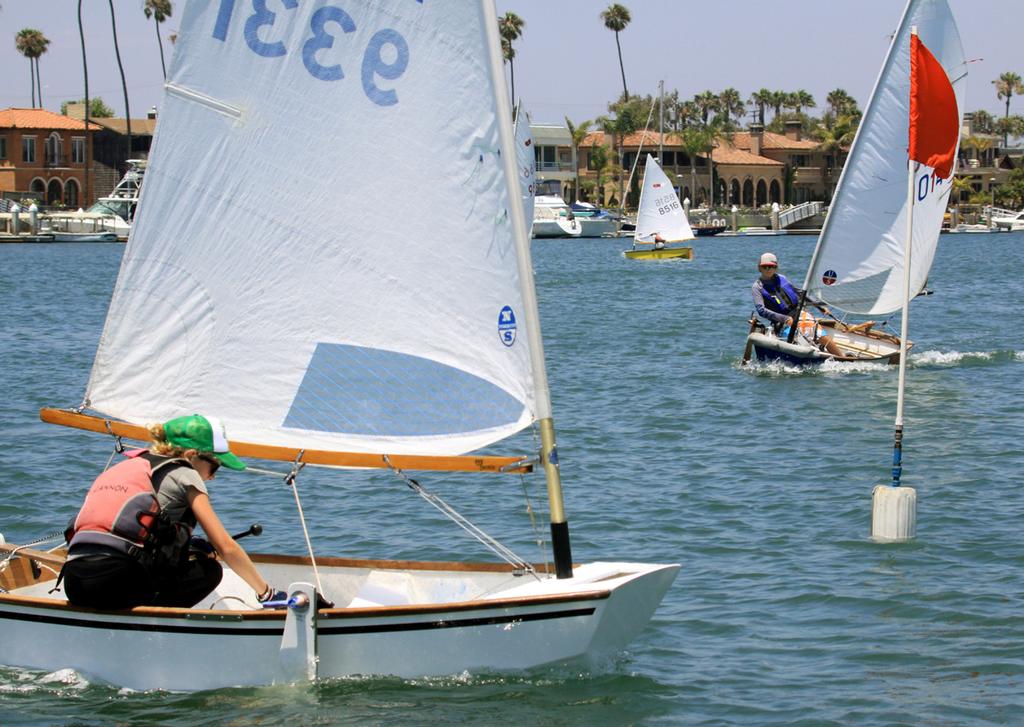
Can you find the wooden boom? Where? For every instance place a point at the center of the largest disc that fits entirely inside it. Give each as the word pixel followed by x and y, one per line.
pixel 463 463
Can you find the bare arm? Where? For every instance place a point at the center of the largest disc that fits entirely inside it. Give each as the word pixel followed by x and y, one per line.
pixel 232 553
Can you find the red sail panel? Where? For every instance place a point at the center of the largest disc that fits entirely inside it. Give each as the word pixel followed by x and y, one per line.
pixel 934 117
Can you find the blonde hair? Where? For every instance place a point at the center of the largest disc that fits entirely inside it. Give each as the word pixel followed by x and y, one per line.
pixel 164 448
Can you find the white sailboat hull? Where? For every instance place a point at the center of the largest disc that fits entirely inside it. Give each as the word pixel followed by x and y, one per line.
pixel 419 620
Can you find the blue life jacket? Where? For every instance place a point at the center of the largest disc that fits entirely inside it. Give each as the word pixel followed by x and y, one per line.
pixel 779 295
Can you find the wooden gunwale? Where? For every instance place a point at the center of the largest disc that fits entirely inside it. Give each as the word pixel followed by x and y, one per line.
pixel 195 616
pixel 367 460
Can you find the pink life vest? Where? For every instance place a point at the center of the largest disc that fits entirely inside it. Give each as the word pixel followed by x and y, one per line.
pixel 121 509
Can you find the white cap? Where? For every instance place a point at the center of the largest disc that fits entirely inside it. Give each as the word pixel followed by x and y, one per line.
pixel 769 259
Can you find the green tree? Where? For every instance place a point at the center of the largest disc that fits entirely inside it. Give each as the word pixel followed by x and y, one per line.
pixel 706 102
pixel 1007 85
pixel 779 99
pixel 982 122
pixel 841 103
pixel 600 161
pixel 1009 126
pixel 31 43
pixel 978 144
pixel 159 10
pixel 616 17
pixel 730 103
pixel 799 100
pixel 510 28
pixel 626 117
pixel 695 140
pixel 834 137
pixel 97 108
pixel 761 99
pixel 578 134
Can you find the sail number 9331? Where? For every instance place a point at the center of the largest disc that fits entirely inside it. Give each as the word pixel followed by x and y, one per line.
pixel 324 25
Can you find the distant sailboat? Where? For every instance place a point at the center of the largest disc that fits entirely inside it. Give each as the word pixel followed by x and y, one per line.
pixel 859 262
pixel 660 219
pixel 315 347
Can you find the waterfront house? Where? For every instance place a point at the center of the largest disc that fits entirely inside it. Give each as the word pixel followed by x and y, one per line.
pixel 42 155
pixel 742 176
pixel 110 152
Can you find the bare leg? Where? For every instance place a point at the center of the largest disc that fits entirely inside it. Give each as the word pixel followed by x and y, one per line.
pixel 832 347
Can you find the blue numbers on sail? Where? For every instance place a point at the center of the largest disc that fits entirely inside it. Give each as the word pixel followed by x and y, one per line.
pixel 927 183
pixel 386 56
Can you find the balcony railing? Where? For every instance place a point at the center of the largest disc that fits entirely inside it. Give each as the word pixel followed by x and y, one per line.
pixel 55 161
pixel 554 166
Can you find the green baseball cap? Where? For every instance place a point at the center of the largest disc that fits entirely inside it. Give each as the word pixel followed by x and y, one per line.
pixel 203 434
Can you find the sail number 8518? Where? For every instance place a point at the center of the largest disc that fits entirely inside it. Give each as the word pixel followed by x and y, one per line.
pixel 321 38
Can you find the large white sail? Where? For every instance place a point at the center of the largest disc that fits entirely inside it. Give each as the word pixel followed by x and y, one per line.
pixel 858 265
pixel 660 211
pixel 323 255
pixel 526 158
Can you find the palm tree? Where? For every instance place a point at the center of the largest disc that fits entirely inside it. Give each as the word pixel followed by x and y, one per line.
pixel 31 43
pixel 835 137
pixel 600 160
pixel 695 140
pixel 1010 126
pixel 840 102
pixel 86 199
pixel 982 122
pixel 779 99
pixel 798 100
pixel 124 84
pixel 578 134
pixel 159 10
pixel 510 28
pixel 706 102
pixel 761 99
pixel 978 144
pixel 1007 84
pixel 730 103
pixel 616 18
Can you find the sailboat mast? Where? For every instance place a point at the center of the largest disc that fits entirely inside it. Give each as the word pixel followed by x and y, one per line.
pixel 661 122
pixel 542 396
pixel 897 447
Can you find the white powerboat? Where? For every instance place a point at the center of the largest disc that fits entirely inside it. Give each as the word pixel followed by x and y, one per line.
pixel 1008 220
pixel 113 213
pixel 553 218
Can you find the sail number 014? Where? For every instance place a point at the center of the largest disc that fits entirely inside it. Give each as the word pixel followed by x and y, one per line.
pixel 321 38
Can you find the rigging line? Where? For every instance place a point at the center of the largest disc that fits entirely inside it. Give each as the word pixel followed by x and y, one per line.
pixel 290 481
pixel 639 149
pixel 503 552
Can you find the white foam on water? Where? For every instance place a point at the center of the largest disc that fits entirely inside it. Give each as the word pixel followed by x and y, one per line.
pixel 948 358
pixel 1019 355
pixel 32 681
pixel 829 368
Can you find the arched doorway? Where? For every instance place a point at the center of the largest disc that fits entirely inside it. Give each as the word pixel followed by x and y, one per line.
pixel 734 192
pixel 774 192
pixel 748 193
pixel 55 192
pixel 71 193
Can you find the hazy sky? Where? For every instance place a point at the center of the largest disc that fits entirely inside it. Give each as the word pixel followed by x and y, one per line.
pixel 566 63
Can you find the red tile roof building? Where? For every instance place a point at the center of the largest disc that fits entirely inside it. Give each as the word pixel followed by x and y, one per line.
pixel 44 153
pixel 752 168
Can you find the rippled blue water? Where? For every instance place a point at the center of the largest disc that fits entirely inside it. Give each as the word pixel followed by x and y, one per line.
pixel 757 480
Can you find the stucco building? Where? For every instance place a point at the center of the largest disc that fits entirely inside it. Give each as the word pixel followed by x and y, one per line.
pixel 43 153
